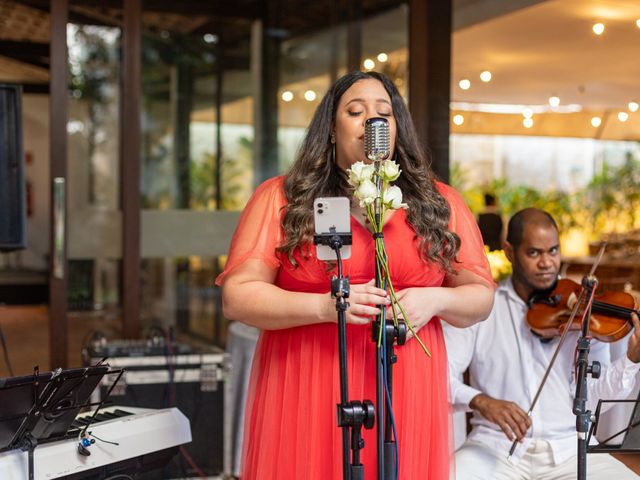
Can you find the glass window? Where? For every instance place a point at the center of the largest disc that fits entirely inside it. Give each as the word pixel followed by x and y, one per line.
pixel 197 162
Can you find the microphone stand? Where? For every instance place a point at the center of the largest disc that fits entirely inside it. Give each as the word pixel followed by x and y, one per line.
pixel 350 415
pixel 583 416
pixel 385 358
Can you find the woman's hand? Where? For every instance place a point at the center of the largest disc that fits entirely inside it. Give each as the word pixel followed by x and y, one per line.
pixel 420 305
pixel 362 300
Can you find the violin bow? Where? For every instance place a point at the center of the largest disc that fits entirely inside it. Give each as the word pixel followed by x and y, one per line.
pixel 574 312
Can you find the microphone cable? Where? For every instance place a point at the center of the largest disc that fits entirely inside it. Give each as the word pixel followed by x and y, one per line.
pixel 389 405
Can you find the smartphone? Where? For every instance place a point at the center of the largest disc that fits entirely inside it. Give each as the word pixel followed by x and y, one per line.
pixel 332 212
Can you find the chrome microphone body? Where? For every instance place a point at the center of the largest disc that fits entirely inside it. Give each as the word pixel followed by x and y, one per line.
pixel 377 149
pixel 377 143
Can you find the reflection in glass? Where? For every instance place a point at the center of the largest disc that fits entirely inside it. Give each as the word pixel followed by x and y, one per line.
pixel 197 155
pixel 93 187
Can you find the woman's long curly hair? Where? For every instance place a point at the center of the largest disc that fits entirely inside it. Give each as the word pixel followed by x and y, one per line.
pixel 316 174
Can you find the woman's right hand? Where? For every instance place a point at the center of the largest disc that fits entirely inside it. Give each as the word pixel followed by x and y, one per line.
pixel 363 299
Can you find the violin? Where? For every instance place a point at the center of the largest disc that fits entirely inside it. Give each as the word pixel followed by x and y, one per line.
pixel 610 319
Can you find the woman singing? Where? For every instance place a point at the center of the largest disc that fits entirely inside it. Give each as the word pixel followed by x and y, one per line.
pixel 274 281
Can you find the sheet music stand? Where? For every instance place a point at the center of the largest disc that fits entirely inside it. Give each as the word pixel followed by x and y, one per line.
pixel 631 441
pixel 42 406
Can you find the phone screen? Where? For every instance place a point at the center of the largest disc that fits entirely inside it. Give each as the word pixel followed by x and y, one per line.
pixel 331 212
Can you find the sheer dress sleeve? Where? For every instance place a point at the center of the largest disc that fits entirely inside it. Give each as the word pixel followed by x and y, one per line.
pixel 472 255
pixel 259 229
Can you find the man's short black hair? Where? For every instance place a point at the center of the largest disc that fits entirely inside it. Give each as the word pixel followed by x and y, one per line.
pixel 515 230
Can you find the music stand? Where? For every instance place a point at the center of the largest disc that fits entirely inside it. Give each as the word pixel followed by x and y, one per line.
pixel 42 406
pixel 631 441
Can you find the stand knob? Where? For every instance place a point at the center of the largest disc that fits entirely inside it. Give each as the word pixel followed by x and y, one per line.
pixel 595 369
pixel 370 414
pixel 356 414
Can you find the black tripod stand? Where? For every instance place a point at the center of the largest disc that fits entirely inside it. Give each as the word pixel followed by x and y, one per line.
pixel 350 414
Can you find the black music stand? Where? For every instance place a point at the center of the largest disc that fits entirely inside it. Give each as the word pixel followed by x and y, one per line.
pixel 631 441
pixel 42 406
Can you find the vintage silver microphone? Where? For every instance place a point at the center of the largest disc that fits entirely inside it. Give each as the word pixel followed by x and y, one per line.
pixel 377 149
pixel 376 140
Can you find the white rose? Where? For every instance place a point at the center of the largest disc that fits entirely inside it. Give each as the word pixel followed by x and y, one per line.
pixel 359 172
pixel 366 193
pixel 392 197
pixel 389 170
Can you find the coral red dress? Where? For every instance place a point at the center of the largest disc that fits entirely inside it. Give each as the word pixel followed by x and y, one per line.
pixel 290 425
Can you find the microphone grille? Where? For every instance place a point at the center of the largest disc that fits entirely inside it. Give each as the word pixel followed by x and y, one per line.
pixel 376 139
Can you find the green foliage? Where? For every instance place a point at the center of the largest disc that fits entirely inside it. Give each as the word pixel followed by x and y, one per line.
pixel 609 203
pixel 473 194
pixel 236 183
pixel 614 196
pixel 560 205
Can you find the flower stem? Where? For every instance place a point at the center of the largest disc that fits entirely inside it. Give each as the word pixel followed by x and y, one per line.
pixel 383 262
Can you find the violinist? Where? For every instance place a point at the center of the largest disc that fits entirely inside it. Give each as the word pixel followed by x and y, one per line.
pixel 507 361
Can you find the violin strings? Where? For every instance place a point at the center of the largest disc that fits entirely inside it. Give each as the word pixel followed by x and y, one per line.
pixel 607 308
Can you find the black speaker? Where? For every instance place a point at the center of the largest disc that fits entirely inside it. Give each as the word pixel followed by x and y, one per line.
pixel 12 185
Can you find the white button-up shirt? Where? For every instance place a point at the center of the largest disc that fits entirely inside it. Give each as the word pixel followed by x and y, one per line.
pixel 507 361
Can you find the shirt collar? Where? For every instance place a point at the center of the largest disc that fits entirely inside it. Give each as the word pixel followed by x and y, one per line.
pixel 506 288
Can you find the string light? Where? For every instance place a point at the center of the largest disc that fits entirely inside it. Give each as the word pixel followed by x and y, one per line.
pixel 485 76
pixel 287 96
pixel 623 116
pixel 554 100
pixel 309 95
pixel 598 28
pixel 458 119
pixel 369 64
pixel 633 106
pixel 465 84
pixel 210 38
pixel 527 112
pixel 596 121
pixel 382 57
pixel 527 122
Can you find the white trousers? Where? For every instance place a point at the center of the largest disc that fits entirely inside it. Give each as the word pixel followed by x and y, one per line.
pixel 475 461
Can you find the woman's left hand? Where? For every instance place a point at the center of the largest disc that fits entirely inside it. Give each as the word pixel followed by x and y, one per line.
pixel 420 305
